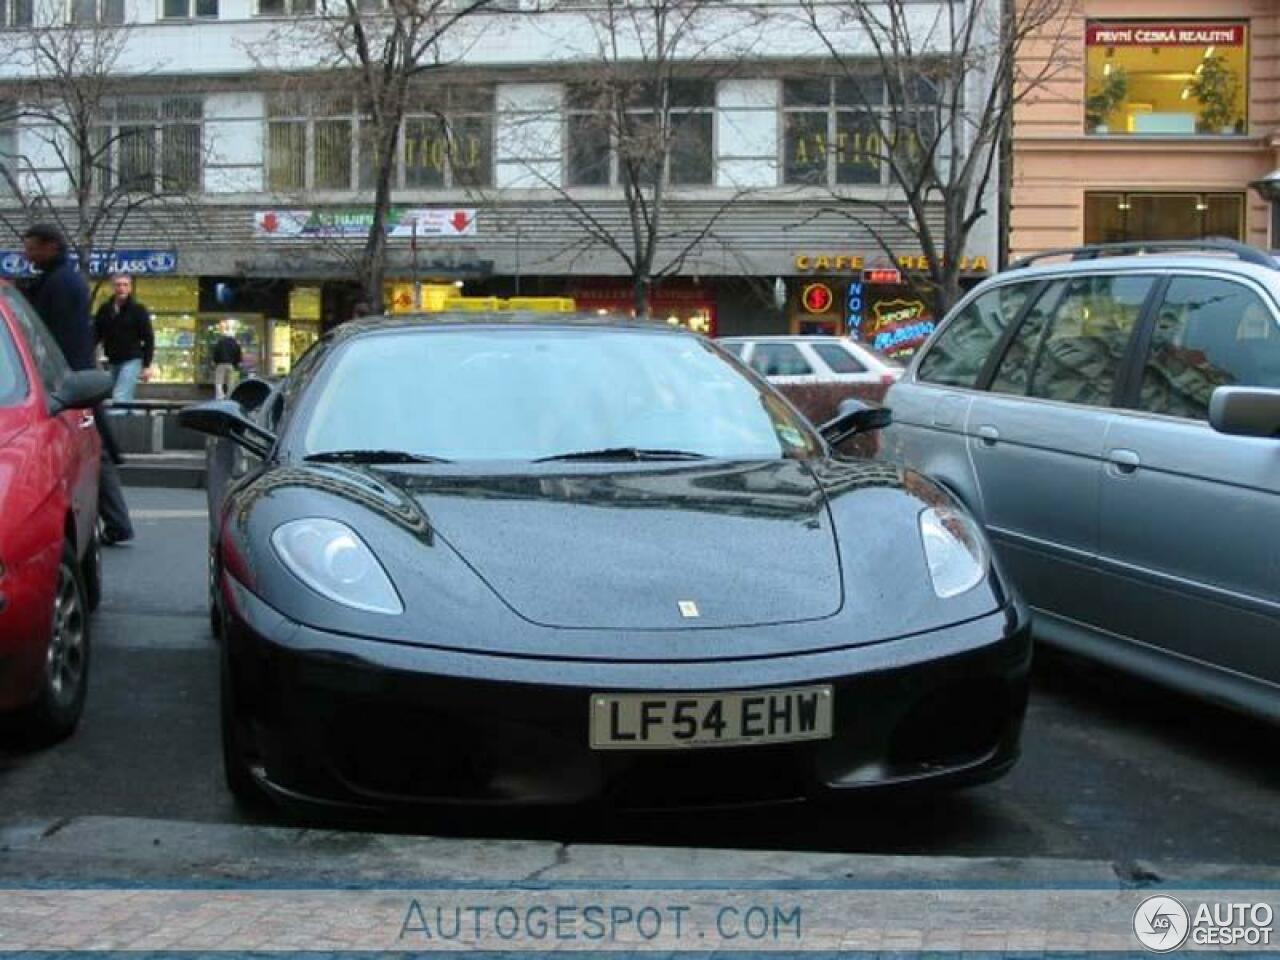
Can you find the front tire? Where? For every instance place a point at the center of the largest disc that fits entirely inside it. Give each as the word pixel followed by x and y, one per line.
pixel 235 765
pixel 65 679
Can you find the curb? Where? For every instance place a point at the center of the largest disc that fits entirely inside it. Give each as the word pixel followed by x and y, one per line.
pixel 110 851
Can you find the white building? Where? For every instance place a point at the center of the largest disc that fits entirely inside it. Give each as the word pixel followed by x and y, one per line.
pixel 216 97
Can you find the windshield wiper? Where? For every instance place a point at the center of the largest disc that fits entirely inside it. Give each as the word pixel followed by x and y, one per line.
pixel 625 453
pixel 372 456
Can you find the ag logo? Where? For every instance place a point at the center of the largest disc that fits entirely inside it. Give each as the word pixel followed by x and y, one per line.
pixel 1161 924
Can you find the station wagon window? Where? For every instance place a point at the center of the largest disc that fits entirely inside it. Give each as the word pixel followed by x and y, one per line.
pixel 1208 333
pixel 1014 372
pixel 838 358
pixel 779 360
pixel 1080 353
pixel 958 355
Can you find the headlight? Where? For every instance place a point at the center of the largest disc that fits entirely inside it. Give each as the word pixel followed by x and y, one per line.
pixel 330 559
pixel 954 549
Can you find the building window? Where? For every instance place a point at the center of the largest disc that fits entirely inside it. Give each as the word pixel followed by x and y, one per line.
pixel 90 12
pixel 16 13
pixel 321 143
pixel 189 9
pixel 151 145
pixel 834 128
pixel 285 8
pixel 1166 79
pixel 603 142
pixel 1118 217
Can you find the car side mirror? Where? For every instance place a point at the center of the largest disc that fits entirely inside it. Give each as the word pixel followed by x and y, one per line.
pixel 80 389
pixel 1245 411
pixel 251 393
pixel 226 418
pixel 853 417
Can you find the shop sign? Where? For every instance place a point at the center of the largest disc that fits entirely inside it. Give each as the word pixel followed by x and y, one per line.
pixel 817 298
pixel 855 304
pixel 304 303
pixel 852 263
pixel 424 223
pixel 898 327
pixel 883 276
pixel 1164 34
pixel 13 263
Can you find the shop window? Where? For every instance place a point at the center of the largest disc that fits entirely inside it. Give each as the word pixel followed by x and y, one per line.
pixel 16 13
pixel 1080 353
pixel 834 129
pixel 1119 217
pixel 1166 79
pixel 779 360
pixel 961 350
pixel 620 132
pixel 150 145
pixel 1209 333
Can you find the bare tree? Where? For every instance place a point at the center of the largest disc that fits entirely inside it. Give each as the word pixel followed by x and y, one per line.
pixel 934 87
pixel 95 153
pixel 388 55
pixel 639 119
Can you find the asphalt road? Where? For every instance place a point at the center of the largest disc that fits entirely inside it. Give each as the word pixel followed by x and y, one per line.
pixel 1113 769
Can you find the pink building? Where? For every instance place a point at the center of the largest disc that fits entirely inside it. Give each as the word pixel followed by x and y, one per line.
pixel 1153 120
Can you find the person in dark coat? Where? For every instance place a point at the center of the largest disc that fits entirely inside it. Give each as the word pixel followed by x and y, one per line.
pixel 123 327
pixel 61 297
pixel 227 357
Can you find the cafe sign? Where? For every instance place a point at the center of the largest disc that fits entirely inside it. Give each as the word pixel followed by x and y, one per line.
pixel 855 263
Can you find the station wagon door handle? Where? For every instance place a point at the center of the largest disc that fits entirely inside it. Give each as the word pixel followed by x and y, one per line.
pixel 988 435
pixel 1124 461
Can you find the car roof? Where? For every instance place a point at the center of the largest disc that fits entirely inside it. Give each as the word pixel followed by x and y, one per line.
pixel 493 320
pixel 1165 262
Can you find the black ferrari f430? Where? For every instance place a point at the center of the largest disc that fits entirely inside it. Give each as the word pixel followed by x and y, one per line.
pixel 497 560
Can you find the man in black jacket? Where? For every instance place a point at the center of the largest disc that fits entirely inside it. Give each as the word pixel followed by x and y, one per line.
pixel 61 297
pixel 123 327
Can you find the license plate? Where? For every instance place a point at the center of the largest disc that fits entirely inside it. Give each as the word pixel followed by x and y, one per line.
pixel 638 721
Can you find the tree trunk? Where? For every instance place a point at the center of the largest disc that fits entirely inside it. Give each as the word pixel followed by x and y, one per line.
pixel 642 292
pixel 373 264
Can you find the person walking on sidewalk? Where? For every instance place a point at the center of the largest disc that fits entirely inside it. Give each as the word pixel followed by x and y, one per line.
pixel 123 327
pixel 226 361
pixel 61 298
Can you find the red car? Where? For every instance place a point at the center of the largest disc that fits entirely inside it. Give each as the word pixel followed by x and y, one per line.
pixel 50 573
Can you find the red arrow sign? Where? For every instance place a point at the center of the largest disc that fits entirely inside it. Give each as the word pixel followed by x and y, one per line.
pixel 460 221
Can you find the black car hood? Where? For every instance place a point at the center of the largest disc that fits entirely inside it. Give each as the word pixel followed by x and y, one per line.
pixel 648 547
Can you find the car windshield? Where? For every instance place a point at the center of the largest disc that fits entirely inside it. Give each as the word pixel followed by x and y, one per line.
pixel 532 394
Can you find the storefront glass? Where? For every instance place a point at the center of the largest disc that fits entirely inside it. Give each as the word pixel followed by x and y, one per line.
pixel 1166 79
pixel 1119 217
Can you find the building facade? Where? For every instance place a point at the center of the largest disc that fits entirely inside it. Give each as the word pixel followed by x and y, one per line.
pixel 1163 114
pixel 277 186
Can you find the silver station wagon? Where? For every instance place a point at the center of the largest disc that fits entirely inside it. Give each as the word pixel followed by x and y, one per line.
pixel 1114 419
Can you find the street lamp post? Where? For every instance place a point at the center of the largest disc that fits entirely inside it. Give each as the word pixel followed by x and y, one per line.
pixel 1269 189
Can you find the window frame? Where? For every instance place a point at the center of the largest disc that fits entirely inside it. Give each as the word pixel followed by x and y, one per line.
pixel 832 111
pixel 156 126
pixel 613 167
pixel 99 14
pixel 292 8
pixel 9 19
pixel 192 13
pixel 308 119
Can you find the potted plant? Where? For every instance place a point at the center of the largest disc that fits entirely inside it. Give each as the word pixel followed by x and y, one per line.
pixel 1100 104
pixel 1216 87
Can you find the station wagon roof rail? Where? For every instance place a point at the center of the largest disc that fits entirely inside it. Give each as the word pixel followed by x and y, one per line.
pixel 1242 251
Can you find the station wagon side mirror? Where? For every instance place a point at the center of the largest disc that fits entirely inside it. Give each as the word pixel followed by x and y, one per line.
pixel 1245 411
pixel 226 418
pixel 80 389
pixel 853 417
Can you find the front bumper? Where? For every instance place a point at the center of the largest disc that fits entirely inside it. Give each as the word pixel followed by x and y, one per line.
pixel 335 719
